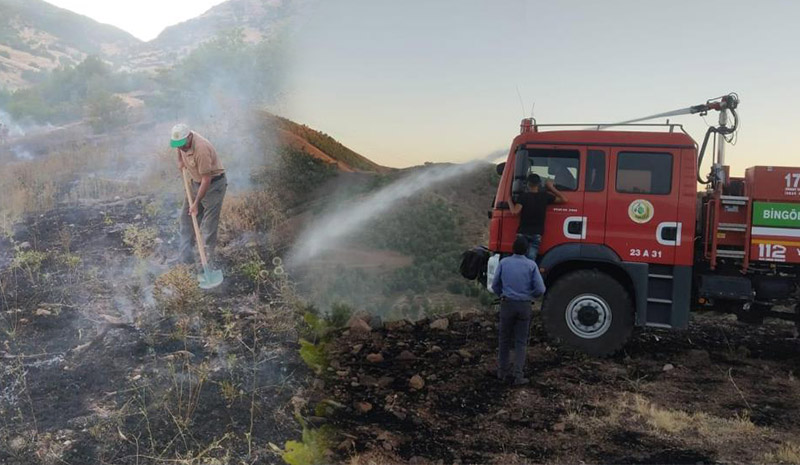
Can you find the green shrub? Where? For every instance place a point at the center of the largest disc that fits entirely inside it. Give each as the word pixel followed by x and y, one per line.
pixel 311 450
pixel 142 241
pixel 314 355
pixel 340 314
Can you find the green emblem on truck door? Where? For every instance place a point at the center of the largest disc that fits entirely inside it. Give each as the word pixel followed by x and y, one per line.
pixel 640 211
pixel 776 214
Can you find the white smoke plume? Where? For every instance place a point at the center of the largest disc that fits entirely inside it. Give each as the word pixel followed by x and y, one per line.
pixel 331 230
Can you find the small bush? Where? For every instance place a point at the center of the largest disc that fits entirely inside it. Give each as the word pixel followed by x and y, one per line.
pixel 312 450
pixel 142 241
pixel 340 314
pixel 314 355
pixel 29 261
pixel 176 290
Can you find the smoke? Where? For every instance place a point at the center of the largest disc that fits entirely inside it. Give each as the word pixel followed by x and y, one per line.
pixel 331 230
pixel 21 154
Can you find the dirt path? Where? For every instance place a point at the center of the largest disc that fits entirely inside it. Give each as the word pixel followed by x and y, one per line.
pixel 719 392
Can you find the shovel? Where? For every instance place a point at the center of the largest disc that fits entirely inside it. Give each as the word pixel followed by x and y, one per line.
pixel 210 278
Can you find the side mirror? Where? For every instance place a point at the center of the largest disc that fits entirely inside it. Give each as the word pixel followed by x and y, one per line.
pixel 522 166
pixel 500 168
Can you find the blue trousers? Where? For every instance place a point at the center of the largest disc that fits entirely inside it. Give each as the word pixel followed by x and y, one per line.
pixel 534 241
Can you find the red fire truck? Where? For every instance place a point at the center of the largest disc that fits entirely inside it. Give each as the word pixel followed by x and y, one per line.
pixel 637 244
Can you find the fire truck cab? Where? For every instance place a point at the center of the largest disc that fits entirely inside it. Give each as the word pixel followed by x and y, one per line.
pixel 620 251
pixel 637 244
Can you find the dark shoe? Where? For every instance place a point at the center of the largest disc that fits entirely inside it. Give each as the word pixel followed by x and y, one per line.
pixel 521 381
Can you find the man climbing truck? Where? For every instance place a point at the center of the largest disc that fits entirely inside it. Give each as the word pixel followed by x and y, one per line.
pixel 636 244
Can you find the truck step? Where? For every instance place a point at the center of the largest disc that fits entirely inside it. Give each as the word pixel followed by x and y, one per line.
pixel 730 253
pixel 738 227
pixel 659 301
pixel 734 199
pixel 659 276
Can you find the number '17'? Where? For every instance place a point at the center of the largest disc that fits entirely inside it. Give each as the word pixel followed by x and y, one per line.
pixel 789 177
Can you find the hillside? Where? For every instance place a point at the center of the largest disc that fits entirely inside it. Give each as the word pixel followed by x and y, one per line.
pixel 257 19
pixel 321 146
pixel 37 36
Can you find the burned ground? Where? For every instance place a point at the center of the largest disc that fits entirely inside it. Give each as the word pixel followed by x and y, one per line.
pixel 94 369
pixel 719 392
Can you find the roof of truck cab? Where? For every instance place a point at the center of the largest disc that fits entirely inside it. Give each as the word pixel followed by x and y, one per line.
pixel 608 138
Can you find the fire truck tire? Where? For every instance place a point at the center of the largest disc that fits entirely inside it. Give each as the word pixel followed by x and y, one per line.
pixel 589 311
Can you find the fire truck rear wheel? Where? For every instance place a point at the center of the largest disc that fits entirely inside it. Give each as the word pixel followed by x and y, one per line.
pixel 590 311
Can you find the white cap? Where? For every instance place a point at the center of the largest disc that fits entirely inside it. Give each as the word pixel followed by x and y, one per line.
pixel 179 134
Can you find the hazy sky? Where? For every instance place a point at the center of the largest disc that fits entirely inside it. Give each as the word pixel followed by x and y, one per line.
pixel 404 82
pixel 419 80
pixel 144 19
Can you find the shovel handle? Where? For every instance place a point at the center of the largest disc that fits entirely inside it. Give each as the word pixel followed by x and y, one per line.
pixel 201 246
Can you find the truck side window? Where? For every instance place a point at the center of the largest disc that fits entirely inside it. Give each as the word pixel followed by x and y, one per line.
pixel 595 171
pixel 644 173
pixel 560 166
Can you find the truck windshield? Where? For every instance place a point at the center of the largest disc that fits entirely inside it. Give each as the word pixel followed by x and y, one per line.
pixel 559 166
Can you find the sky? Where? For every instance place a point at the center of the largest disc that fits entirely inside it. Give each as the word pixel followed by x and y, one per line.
pixel 414 81
pixel 144 19
pixel 405 82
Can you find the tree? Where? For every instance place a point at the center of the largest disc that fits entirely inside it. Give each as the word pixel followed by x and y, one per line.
pixel 106 111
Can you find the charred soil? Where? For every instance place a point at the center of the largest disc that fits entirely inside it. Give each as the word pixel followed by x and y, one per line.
pixel 719 392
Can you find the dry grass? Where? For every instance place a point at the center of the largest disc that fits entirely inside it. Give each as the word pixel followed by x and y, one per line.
pixel 176 291
pixel 141 240
pixel 693 430
pixel 788 452
pixel 256 212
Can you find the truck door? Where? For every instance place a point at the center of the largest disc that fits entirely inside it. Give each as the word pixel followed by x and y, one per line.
pixel 563 165
pixel 595 194
pixel 643 195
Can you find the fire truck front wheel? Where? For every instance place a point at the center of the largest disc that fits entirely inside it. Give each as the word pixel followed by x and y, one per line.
pixel 590 311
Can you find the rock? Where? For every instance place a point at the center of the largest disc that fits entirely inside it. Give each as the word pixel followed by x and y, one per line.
pixel 374 358
pixel 357 348
pixel 367 380
pixel 465 353
pixel 358 326
pixel 362 407
pixel 398 325
pixel 346 445
pixel 467 314
pixel 17 444
pixel 385 382
pixel 24 245
pixel 668 367
pixel 454 360
pixel 440 324
pixel 416 382
pixel 342 373
pixel 435 349
pixel 137 217
pixel 417 460
pixel 406 356
pixel 43 312
pixel 376 322
pixel 559 427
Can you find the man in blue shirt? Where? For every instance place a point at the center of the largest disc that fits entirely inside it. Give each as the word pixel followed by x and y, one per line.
pixel 517 281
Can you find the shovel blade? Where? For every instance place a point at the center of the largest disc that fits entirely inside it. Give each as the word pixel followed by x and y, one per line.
pixel 210 279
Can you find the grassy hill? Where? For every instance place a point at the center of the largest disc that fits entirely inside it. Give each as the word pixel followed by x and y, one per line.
pixel 322 146
pixel 37 36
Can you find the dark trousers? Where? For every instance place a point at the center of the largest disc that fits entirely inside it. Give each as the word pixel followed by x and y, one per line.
pixel 208 212
pixel 515 322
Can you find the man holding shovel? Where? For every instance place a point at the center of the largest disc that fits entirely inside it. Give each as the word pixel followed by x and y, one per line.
pixel 203 202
